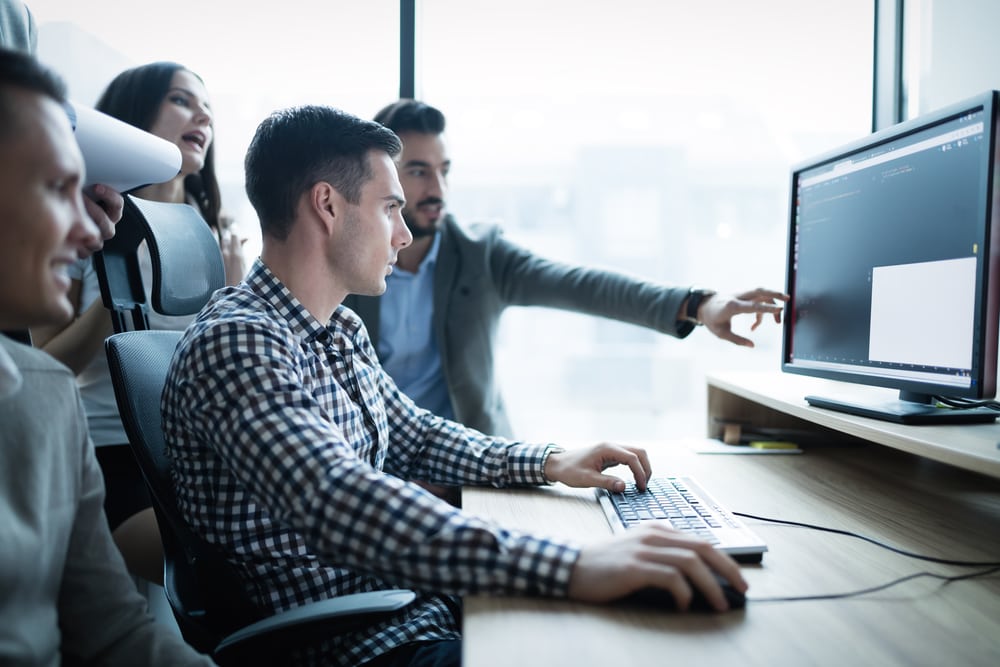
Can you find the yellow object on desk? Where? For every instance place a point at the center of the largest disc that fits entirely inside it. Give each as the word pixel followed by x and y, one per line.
pixel 773 444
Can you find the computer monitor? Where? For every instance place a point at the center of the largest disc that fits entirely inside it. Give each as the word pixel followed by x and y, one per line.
pixel 893 266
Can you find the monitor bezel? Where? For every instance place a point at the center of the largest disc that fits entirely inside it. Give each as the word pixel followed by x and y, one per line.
pixel 987 315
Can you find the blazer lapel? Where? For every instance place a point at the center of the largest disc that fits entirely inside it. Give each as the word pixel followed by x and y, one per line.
pixel 445 275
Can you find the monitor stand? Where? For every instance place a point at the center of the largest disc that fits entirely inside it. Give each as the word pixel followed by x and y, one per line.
pixel 910 408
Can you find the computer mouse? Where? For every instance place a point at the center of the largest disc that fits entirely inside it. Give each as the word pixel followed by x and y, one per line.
pixel 661 598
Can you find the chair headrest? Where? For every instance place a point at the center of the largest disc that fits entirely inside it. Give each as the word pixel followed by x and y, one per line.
pixel 186 260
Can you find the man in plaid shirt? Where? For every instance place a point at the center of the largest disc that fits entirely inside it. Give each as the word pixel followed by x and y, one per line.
pixel 294 451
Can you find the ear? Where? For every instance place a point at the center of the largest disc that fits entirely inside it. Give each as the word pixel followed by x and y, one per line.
pixel 327 205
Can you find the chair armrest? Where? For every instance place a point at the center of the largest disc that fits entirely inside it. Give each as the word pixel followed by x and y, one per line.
pixel 352 610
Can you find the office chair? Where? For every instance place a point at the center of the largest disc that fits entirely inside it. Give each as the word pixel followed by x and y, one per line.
pixel 213 610
pixel 186 260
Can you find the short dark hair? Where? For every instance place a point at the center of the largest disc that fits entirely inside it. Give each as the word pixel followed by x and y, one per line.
pixel 293 149
pixel 20 70
pixel 135 96
pixel 411 116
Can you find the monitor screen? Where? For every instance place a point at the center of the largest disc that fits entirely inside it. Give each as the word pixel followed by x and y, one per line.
pixel 893 268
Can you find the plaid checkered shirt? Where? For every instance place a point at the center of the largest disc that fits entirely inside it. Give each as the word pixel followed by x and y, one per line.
pixel 291 450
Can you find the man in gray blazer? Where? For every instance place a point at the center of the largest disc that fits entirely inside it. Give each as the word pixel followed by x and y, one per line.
pixel 435 326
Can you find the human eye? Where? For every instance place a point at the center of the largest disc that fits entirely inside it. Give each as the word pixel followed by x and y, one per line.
pixel 60 185
pixel 65 187
pixel 179 99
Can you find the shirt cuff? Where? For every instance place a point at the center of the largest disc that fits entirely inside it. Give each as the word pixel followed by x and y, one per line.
pixel 551 449
pixel 526 463
pixel 539 567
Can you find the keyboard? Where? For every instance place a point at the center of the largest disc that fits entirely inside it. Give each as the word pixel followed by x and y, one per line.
pixel 686 506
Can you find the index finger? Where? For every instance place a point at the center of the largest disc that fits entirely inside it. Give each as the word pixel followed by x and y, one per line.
pixel 748 306
pixel 723 564
pixel 761 294
pixel 716 561
pixel 640 467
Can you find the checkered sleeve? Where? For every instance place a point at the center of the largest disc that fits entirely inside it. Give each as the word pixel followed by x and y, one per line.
pixel 244 384
pixel 427 447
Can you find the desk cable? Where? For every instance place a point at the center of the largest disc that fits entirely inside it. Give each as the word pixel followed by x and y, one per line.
pixel 960 403
pixel 874 589
pixel 991 567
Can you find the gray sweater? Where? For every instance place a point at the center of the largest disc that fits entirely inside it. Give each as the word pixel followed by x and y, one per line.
pixel 63 584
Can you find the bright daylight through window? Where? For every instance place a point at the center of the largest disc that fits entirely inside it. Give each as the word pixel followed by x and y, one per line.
pixel 655 141
pixel 650 137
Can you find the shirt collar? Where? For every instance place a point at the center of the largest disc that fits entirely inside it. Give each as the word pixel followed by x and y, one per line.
pixel 343 323
pixel 428 262
pixel 432 255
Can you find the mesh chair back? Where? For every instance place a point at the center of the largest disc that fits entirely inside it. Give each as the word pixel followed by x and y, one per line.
pixel 185 257
pixel 204 590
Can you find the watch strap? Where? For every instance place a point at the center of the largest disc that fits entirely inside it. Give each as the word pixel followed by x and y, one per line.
pixel 694 299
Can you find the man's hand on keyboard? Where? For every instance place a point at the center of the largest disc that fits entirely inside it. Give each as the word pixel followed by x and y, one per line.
pixel 585 467
pixel 653 556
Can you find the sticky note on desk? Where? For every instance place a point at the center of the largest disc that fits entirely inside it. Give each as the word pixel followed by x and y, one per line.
pixel 774 445
pixel 714 446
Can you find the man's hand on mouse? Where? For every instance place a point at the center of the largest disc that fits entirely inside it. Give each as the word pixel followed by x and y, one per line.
pixel 654 556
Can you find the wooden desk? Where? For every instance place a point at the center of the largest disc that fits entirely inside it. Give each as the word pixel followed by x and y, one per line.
pixel 778 400
pixel 909 501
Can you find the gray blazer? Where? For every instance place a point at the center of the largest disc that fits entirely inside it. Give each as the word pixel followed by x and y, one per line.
pixel 479 273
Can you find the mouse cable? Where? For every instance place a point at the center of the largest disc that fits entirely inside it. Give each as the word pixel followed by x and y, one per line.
pixel 874 589
pixel 902 552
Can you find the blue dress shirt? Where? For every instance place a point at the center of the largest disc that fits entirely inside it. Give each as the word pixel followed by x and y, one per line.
pixel 407 345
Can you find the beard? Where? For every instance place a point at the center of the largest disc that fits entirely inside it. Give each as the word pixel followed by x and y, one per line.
pixel 418 230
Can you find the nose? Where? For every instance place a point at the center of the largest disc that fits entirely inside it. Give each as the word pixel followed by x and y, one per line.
pixel 439 185
pixel 203 115
pixel 401 236
pixel 83 236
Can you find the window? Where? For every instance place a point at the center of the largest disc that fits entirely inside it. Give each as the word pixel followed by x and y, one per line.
pixel 948 52
pixel 653 138
pixel 649 137
pixel 253 60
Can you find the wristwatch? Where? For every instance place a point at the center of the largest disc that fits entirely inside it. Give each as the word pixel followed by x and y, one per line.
pixel 694 299
pixel 550 449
